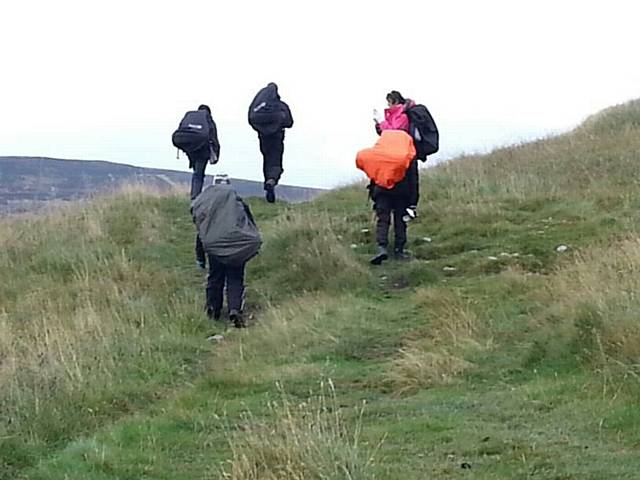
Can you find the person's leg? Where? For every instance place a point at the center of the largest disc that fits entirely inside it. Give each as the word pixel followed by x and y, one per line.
pixel 200 253
pixel 235 287
pixel 215 288
pixel 383 212
pixel 235 294
pixel 272 148
pixel 400 231
pixel 277 153
pixel 197 179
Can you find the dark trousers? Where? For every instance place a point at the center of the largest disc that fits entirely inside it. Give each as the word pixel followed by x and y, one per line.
pixel 198 161
pixel 197 178
pixel 272 149
pixel 387 206
pixel 219 275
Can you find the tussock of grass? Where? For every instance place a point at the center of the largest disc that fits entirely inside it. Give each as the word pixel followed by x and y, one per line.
pixel 300 441
pixel 452 323
pixel 281 333
pixel 303 253
pixel 597 302
pixel 435 355
pixel 416 368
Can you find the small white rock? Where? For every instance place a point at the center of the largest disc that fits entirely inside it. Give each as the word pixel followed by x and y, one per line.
pixel 492 258
pixel 216 338
pixel 426 239
pixel 505 254
pixel 365 230
pixel 449 269
pixel 353 245
pixel 561 248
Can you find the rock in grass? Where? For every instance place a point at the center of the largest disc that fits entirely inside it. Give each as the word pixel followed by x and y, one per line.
pixel 561 248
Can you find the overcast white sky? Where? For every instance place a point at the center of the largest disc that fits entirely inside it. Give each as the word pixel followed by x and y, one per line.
pixel 111 80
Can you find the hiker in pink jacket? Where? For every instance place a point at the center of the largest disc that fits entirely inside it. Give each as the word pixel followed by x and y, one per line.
pixel 399 202
pixel 394 117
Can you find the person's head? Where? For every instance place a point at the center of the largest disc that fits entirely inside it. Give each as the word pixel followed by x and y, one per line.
pixel 274 89
pixel 204 107
pixel 221 179
pixel 394 97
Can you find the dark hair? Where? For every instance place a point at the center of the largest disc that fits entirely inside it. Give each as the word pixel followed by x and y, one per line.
pixel 204 107
pixel 395 97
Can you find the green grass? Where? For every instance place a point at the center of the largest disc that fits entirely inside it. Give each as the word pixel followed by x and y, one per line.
pixel 490 355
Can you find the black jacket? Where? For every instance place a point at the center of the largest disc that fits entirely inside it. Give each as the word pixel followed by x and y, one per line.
pixel 268 113
pixel 408 189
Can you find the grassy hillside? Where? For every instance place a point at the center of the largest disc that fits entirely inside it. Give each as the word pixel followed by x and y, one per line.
pixel 491 355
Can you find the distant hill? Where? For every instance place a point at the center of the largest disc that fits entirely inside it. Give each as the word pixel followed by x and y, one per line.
pixel 27 183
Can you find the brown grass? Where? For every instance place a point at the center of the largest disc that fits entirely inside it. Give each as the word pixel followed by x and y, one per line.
pixel 597 297
pixel 301 441
pixel 437 355
pixel 282 332
pixel 68 299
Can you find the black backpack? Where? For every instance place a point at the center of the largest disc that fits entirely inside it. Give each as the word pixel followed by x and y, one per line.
pixel 193 132
pixel 424 131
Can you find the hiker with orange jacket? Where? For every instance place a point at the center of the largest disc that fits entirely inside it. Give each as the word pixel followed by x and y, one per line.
pixel 401 200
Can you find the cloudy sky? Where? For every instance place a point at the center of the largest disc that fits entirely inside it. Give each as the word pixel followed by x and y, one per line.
pixel 110 80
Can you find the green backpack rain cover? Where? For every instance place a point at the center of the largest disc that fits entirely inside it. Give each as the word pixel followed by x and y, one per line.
pixel 225 225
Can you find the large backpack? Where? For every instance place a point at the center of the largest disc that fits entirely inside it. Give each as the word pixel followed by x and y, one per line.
pixel 266 112
pixel 193 132
pixel 225 225
pixel 386 163
pixel 423 130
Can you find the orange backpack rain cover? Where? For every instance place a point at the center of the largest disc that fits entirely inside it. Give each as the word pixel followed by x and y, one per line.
pixel 387 162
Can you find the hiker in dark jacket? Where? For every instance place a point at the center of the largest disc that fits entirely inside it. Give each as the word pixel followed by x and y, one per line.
pixel 232 238
pixel 198 162
pixel 198 159
pixel 399 201
pixel 269 116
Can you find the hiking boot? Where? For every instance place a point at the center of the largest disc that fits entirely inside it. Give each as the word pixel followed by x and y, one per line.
pixel 237 319
pixel 400 254
pixel 270 193
pixel 380 257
